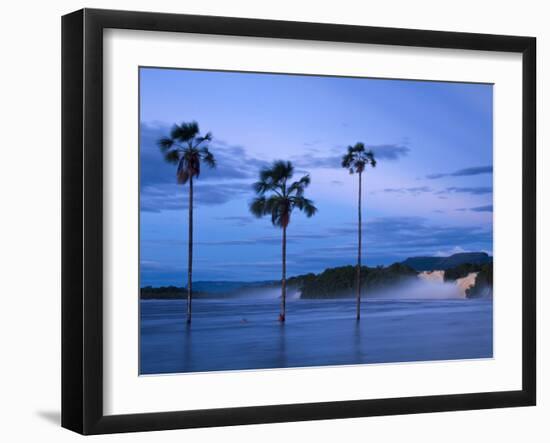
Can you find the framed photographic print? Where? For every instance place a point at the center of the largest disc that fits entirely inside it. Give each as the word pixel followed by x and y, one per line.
pixel 269 221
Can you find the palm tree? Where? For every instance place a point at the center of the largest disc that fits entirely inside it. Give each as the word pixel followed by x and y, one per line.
pixel 187 149
pixel 356 160
pixel 278 197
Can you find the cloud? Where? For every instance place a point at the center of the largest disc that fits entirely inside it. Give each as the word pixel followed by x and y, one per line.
pixel 389 152
pixel 237 220
pixel 312 143
pixel 315 161
pixel 396 238
pixel 386 240
pixel 455 250
pixel 158 188
pixel 417 233
pixel 381 152
pixel 233 161
pixel 150 265
pixel 416 190
pixel 474 190
pixel 442 194
pixel 173 196
pixel 476 170
pixel 486 208
pixel 265 240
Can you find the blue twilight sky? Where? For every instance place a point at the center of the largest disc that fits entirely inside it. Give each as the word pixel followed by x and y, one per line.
pixel 430 194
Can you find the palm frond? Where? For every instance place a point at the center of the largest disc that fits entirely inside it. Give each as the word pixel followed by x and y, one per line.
pixel 347 159
pixel 189 156
pixel 275 199
pixel 279 207
pixel 261 187
pixel 257 206
pixel 282 170
pixel 165 143
pixel 208 157
pixel 371 159
pixel 356 158
pixel 206 138
pixel 304 181
pixel 172 156
pixel 279 171
pixel 306 205
pixel 185 132
pixel 175 132
pixel 299 186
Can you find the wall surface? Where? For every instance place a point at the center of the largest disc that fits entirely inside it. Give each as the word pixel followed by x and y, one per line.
pixel 30 221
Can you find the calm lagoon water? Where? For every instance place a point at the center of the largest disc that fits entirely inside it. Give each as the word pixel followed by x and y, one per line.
pixel 242 333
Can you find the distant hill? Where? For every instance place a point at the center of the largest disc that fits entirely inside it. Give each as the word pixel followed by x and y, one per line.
pixel 202 289
pixel 228 287
pixel 444 263
pixel 166 293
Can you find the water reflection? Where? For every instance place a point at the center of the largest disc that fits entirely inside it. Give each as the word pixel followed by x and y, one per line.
pixel 238 334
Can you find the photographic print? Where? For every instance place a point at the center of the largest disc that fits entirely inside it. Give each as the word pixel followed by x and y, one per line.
pixel 292 221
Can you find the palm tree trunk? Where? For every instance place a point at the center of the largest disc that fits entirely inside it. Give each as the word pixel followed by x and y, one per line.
pixel 190 253
pixel 358 277
pixel 283 280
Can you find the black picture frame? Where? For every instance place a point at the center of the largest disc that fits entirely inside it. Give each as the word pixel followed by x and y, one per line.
pixel 82 215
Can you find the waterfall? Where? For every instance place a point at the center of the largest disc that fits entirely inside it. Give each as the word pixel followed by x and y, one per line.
pixel 432 276
pixel 465 283
pixel 461 284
